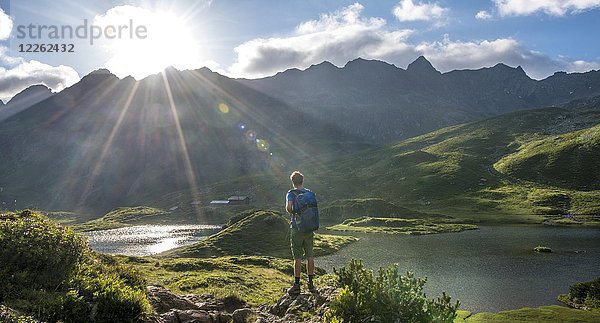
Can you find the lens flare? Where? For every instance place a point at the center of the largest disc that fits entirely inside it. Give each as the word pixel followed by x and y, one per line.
pixel 262 145
pixel 242 126
pixel 223 108
pixel 251 135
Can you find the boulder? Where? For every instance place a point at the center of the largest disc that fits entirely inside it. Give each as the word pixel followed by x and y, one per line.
pixel 290 308
pixel 164 300
pixel 172 308
pixel 241 315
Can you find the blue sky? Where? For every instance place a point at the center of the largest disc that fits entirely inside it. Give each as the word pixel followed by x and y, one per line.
pixel 258 38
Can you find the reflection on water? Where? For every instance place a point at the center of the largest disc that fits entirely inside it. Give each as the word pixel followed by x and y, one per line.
pixel 145 240
pixel 489 269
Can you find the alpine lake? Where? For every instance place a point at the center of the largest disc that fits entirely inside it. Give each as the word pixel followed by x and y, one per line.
pixel 489 269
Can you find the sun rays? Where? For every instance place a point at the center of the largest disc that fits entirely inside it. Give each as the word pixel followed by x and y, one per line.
pixel 185 130
pixel 108 144
pixel 189 169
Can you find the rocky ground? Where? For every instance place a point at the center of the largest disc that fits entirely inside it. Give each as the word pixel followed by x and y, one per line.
pixel 172 308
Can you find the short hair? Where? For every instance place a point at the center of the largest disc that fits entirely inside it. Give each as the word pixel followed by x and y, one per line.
pixel 297 178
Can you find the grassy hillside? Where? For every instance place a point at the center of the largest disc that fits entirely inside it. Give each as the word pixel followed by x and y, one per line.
pixel 571 160
pixel 125 216
pixel 259 233
pixel 451 171
pixel 400 226
pixel 352 208
pixel 542 314
pixel 464 171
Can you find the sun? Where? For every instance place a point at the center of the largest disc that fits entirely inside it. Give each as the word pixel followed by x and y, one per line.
pixel 169 41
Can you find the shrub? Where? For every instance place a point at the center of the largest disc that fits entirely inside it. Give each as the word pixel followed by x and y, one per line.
pixel 49 272
pixel 585 294
pixel 387 297
pixel 7 315
pixel 112 294
pixel 35 252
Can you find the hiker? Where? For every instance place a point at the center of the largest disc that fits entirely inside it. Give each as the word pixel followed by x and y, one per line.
pixel 301 204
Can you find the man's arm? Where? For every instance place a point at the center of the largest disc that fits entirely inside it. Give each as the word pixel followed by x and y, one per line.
pixel 288 206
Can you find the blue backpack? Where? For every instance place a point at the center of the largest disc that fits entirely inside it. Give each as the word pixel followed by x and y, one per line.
pixel 305 211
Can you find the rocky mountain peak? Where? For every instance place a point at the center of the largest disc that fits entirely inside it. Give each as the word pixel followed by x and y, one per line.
pixel 39 91
pixel 101 71
pixel 422 66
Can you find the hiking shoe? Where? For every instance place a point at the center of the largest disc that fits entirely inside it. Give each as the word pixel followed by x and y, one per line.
pixel 294 290
pixel 312 288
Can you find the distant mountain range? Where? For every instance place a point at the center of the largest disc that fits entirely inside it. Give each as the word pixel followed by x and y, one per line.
pixel 383 103
pixel 107 142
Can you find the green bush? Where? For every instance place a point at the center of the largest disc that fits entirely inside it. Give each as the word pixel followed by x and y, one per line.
pixel 7 315
pixel 49 272
pixel 585 294
pixel 387 297
pixel 35 252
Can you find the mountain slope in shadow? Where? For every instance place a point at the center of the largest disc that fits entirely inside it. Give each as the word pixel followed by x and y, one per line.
pixel 108 142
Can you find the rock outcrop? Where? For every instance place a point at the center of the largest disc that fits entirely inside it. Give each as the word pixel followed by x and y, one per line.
pixel 171 308
pixel 293 308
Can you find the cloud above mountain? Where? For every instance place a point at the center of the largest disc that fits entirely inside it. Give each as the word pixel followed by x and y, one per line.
pixel 17 74
pixel 21 73
pixel 345 34
pixel 447 55
pixel 337 37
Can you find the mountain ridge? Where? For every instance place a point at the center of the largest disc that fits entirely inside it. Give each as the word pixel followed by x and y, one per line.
pixel 384 103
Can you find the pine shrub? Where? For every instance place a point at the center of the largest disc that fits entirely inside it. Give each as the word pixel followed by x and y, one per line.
pixel 387 297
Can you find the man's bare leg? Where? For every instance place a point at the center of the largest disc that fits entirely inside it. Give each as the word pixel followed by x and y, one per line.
pixel 298 267
pixel 311 265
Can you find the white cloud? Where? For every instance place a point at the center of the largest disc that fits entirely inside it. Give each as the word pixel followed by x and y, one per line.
pixel 448 55
pixel 550 7
pixel 6 25
pixel 407 10
pixel 18 74
pixel 483 15
pixel 337 37
pixel 345 35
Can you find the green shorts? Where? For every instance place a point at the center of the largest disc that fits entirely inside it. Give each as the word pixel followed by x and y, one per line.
pixel 302 243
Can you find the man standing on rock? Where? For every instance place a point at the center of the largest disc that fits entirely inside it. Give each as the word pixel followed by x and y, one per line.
pixel 301 242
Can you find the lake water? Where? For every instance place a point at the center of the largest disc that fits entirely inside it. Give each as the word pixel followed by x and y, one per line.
pixel 146 240
pixel 489 269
